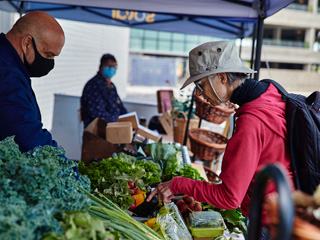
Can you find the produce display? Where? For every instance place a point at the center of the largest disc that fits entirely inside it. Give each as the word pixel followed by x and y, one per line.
pixel 43 197
pixel 126 180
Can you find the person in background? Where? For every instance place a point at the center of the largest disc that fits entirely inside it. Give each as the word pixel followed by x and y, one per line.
pixel 260 134
pixel 99 97
pixel 27 50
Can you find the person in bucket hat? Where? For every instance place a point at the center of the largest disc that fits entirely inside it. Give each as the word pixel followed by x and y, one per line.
pixel 259 138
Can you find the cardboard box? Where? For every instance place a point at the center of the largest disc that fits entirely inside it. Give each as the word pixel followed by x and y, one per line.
pixel 119 132
pixel 147 133
pixel 130 117
pixel 97 127
pixel 96 147
pixel 141 130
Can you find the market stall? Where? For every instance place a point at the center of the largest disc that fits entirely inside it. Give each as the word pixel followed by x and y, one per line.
pixel 44 198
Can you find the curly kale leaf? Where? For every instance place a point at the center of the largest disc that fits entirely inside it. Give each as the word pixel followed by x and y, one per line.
pixel 34 186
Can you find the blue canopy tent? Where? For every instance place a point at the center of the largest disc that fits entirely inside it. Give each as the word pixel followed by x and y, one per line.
pixel 219 18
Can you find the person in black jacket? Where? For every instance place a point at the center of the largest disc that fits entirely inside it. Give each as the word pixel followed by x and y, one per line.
pixel 27 50
pixel 99 97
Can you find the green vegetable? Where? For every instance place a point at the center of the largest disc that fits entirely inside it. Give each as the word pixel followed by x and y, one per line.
pixel 233 218
pixel 189 172
pixel 167 156
pixel 112 176
pixel 34 186
pixel 120 220
pixel 81 226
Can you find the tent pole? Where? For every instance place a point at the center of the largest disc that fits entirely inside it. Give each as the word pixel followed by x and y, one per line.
pixel 254 35
pixel 257 62
pixel 261 17
pixel 240 48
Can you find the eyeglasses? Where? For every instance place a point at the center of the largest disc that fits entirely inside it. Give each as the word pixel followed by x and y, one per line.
pixel 197 83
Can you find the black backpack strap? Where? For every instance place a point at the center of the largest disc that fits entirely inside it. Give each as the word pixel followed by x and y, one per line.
pixel 277 85
pixel 314 101
pixel 290 125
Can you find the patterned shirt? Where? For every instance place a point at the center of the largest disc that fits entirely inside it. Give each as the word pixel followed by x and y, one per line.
pixel 100 99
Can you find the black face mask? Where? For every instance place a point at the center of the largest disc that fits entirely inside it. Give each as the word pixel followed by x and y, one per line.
pixel 41 66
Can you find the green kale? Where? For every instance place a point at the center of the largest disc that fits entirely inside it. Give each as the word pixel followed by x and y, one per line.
pixel 34 186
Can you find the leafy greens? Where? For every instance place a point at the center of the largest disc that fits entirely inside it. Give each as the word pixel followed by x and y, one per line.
pixel 112 176
pixel 34 186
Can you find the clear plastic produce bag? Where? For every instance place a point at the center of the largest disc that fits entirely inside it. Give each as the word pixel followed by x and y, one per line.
pixel 172 225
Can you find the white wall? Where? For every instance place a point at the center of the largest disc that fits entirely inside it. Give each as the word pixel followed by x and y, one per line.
pixel 6 21
pixel 79 61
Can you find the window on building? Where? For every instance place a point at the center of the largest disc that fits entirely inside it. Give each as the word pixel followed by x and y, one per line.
pixel 291 66
pixel 293 34
pixel 300 5
pixel 268 33
pixel 167 41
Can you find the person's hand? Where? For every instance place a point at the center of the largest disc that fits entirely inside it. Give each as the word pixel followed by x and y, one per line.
pixel 163 191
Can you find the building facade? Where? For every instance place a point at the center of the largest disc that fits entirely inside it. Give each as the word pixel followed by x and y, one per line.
pixel 290 51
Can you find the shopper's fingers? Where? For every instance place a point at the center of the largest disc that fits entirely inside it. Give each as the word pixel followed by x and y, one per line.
pixel 154 192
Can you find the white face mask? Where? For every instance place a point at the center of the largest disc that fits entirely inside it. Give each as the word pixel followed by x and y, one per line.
pixel 221 101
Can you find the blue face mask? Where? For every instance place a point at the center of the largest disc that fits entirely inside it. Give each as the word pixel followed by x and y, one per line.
pixel 109 72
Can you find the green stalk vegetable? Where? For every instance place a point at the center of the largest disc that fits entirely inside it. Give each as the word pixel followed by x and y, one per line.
pixel 119 219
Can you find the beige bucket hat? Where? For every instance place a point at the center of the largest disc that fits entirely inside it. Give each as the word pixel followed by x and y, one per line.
pixel 214 57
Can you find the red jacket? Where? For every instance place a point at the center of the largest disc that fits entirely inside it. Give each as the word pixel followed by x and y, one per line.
pixel 259 139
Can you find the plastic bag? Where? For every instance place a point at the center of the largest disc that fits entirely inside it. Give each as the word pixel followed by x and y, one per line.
pixel 209 219
pixel 171 224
